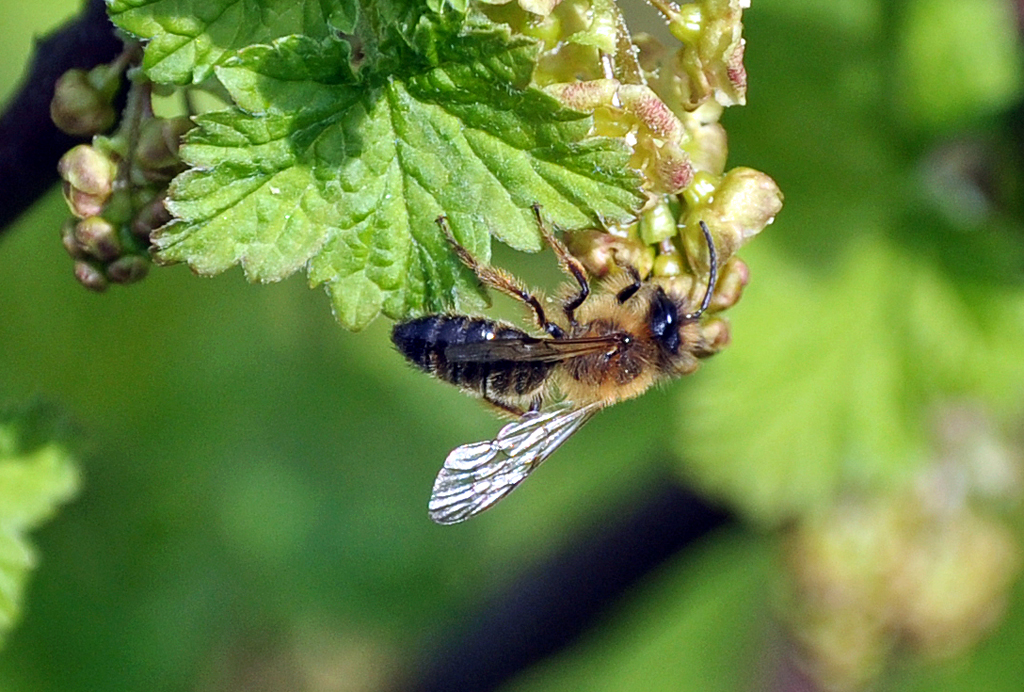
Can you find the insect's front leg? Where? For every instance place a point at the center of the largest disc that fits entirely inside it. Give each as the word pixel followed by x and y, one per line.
pixel 630 290
pixel 504 407
pixel 500 280
pixel 569 264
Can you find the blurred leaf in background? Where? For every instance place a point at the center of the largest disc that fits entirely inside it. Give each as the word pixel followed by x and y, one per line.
pixel 37 473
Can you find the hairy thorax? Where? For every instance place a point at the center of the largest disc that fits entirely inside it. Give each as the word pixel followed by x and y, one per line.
pixel 622 372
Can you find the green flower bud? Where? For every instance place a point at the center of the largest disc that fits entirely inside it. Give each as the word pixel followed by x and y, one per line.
pixel 88 176
pixel 701 189
pixel 98 238
pixel 709 147
pixel 668 264
pixel 539 7
pixel 128 269
pixel 79 107
pixel 122 203
pixel 742 205
pixel 685 21
pixel 751 196
pixel 88 169
pixel 90 277
pixel 657 224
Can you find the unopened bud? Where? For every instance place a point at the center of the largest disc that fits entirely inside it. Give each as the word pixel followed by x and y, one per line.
pixel 67 238
pixel 541 8
pixel 157 151
pixel 716 335
pixel 668 264
pixel 701 189
pixel 744 203
pixel 733 277
pixel 98 237
pixel 79 107
pixel 150 217
pixel 90 277
pixel 657 224
pixel 601 252
pixel 88 178
pixel 750 197
pixel 128 269
pixel 709 148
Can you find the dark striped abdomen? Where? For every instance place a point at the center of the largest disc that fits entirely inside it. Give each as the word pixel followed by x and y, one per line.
pixel 424 340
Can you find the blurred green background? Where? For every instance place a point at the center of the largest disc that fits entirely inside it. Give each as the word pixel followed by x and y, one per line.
pixel 253 511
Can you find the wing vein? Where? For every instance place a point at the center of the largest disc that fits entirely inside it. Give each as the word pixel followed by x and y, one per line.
pixel 476 476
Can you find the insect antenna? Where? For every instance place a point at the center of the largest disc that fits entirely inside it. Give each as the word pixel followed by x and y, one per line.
pixel 712 274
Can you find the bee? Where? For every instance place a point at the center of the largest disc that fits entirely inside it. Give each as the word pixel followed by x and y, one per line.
pixel 610 346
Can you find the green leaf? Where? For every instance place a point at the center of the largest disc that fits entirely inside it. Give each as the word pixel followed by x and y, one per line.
pixel 187 38
pixel 958 59
pixel 34 478
pixel 833 387
pixel 346 175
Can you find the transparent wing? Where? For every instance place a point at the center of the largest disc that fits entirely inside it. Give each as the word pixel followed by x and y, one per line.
pixel 475 476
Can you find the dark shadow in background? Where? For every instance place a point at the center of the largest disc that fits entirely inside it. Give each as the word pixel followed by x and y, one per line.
pixel 550 606
pixel 30 144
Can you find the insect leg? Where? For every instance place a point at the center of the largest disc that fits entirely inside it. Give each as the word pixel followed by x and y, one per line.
pixel 493 400
pixel 630 290
pixel 513 411
pixel 569 264
pixel 499 280
pixel 712 274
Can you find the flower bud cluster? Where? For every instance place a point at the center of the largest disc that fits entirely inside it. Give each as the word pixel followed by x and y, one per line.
pixel 709 66
pixel 664 103
pixel 925 569
pixel 104 253
pixel 115 190
pixel 877 575
pixel 114 187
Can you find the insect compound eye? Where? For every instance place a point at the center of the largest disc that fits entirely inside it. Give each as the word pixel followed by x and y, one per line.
pixel 664 321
